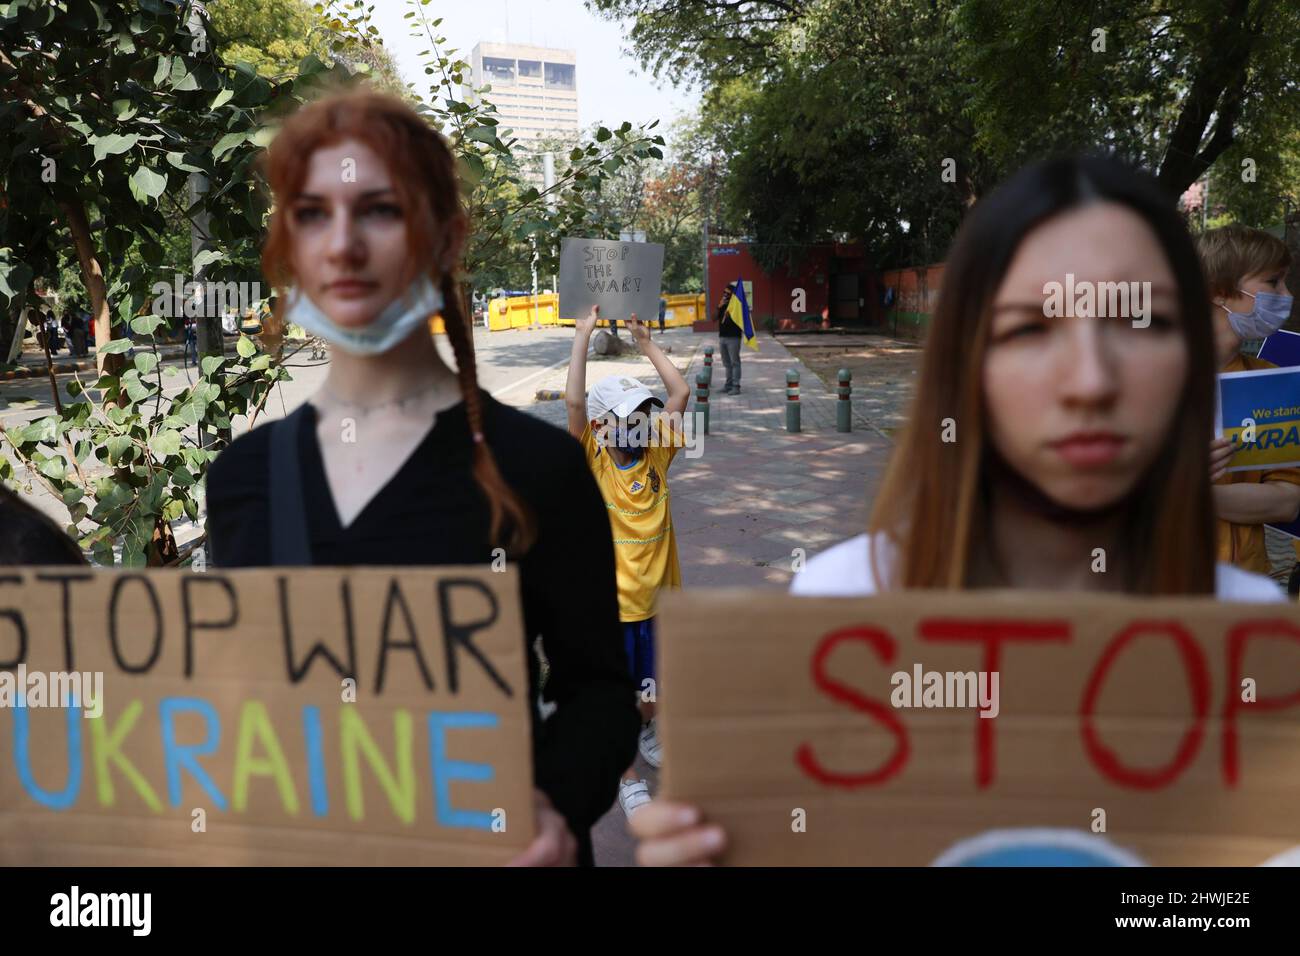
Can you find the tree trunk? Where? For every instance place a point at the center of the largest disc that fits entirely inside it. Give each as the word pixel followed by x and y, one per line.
pixel 1215 91
pixel 92 277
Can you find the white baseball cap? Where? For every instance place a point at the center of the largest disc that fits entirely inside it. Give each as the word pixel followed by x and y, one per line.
pixel 618 394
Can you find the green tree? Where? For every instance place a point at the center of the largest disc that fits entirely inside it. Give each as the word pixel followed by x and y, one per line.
pixel 883 120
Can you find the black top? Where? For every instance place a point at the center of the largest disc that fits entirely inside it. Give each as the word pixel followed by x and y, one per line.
pixel 432 513
pixel 726 328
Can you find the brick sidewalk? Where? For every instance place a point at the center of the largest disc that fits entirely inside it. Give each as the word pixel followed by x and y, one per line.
pixel 758 492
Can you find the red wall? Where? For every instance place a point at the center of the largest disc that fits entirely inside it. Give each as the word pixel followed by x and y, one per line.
pixel 774 292
pixel 916 289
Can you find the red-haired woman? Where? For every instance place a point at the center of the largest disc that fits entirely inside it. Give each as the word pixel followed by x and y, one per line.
pixel 399 460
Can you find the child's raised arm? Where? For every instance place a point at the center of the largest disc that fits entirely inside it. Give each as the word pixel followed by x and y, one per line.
pixel 679 393
pixel 575 390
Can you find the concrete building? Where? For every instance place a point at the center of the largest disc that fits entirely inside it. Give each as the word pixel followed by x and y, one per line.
pixel 534 89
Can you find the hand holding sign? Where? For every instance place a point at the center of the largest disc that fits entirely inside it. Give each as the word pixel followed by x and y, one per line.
pixel 1221 452
pixel 640 334
pixel 555 844
pixel 586 326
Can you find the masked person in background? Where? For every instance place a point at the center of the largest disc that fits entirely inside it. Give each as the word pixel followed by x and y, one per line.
pixel 629 451
pixel 1245 270
pixel 399 460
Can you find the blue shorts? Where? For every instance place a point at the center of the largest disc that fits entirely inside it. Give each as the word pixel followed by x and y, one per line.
pixel 639 642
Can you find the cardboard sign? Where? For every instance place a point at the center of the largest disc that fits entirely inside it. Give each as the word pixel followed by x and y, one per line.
pixel 849 731
pixel 274 716
pixel 1261 410
pixel 623 278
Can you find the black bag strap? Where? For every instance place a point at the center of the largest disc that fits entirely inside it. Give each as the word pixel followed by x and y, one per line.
pixel 290 543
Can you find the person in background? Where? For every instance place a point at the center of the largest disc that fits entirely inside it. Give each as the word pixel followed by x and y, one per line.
pixel 29 537
pixel 631 469
pixel 663 310
pixel 191 340
pixel 729 344
pixel 1245 270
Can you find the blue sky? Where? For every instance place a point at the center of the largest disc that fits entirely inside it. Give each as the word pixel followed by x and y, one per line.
pixel 611 85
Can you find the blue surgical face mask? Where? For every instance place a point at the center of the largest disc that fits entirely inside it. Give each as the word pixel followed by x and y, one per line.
pixel 1270 312
pixel 390 328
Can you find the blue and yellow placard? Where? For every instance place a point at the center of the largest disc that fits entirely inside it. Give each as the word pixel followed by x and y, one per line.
pixel 1260 410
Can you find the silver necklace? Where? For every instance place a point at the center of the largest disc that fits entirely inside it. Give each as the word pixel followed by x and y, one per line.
pixel 364 410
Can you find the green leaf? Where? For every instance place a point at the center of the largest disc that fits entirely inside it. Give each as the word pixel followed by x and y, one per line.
pixel 117 448
pixel 222 98
pixel 145 362
pixel 210 364
pixel 206 257
pixel 165 443
pixel 603 134
pixel 111 145
pixel 181 77
pixel 178 160
pixel 72 494
pixel 246 347
pixel 147 184
pixel 227 143
pixel 138 391
pixel 15 277
pixel 146 324
pixel 115 346
pixel 53 467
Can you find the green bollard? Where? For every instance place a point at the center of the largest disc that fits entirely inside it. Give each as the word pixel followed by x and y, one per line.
pixel 702 398
pixel 844 408
pixel 708 362
pixel 792 400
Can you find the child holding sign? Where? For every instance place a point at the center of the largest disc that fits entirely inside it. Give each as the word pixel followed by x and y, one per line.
pixel 629 453
pixel 1246 272
pixel 399 460
pixel 1043 452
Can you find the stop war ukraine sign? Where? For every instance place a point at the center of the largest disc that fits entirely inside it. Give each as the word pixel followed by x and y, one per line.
pixel 1260 410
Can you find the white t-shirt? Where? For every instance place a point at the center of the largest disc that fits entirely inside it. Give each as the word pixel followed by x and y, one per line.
pixel 845 571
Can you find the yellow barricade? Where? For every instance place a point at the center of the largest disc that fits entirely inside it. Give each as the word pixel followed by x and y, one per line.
pixel 519 312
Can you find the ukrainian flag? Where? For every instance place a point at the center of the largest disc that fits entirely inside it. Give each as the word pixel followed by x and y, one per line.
pixel 738 312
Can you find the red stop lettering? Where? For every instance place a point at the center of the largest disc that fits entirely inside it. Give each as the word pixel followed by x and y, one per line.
pixel 1198 676
pixel 991 633
pixel 884 646
pixel 1237 638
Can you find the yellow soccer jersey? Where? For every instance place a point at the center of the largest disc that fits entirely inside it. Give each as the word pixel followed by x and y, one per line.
pixel 645 545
